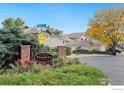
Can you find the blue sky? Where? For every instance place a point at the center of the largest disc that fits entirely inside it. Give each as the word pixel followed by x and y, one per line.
pixel 67 17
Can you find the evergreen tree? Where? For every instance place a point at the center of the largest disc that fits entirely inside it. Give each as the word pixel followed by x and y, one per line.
pixel 11 38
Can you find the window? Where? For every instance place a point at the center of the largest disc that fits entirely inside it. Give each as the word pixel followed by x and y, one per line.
pixel 81 39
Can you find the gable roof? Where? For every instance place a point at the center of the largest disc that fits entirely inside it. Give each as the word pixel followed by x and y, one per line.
pixel 30 30
pixel 75 35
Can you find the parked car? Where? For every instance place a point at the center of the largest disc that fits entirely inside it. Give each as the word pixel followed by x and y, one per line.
pixel 77 50
pixel 119 50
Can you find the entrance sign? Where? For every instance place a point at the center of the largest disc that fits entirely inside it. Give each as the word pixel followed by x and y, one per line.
pixel 41 38
pixel 41 25
pixel 43 57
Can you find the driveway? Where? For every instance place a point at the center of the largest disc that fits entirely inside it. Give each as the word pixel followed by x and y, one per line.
pixel 112 66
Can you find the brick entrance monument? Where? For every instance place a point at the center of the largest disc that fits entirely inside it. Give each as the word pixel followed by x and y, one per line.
pixel 61 52
pixel 25 52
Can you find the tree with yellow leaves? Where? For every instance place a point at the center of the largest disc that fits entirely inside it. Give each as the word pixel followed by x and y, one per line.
pixel 107 26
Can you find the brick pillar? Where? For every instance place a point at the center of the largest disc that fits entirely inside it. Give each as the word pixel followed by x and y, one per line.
pixel 25 52
pixel 61 51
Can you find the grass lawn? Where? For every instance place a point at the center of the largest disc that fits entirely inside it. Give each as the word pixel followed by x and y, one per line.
pixel 66 75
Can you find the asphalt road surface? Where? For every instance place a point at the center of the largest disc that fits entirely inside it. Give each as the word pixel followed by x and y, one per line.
pixel 112 66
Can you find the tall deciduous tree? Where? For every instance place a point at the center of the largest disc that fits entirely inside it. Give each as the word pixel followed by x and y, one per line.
pixel 107 26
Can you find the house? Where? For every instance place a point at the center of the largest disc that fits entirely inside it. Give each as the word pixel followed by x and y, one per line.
pixel 78 36
pixel 73 40
pixel 54 41
pixel 97 45
pixel 81 44
pixel 47 33
pixel 28 29
pixel 83 41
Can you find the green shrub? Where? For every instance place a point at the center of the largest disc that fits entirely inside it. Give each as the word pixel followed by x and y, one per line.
pixel 54 54
pixel 54 50
pixel 43 48
pixel 83 51
pixel 100 52
pixel 67 61
pixel 68 50
pixel 75 61
pixel 37 67
pixel 57 62
pixel 67 75
pixel 34 68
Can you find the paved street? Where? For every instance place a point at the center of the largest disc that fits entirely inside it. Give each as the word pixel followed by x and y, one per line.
pixel 112 66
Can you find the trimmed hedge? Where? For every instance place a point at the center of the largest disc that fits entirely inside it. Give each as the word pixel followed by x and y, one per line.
pixel 100 52
pixel 83 51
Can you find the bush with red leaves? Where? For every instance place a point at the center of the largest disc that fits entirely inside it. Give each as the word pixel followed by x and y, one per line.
pixel 24 63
